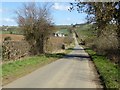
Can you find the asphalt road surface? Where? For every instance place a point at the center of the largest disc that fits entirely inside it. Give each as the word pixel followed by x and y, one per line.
pixel 75 70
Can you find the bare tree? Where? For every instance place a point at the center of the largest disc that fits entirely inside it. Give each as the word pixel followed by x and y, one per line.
pixel 36 23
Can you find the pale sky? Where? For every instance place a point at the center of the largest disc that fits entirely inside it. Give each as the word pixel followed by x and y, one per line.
pixel 59 12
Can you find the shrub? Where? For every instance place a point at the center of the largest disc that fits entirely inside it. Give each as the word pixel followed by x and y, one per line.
pixel 82 42
pixel 63 46
pixel 68 40
pixel 11 32
pixel 12 50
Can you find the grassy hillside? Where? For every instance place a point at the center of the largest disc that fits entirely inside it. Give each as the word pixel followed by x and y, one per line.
pixel 64 31
pixel 86 33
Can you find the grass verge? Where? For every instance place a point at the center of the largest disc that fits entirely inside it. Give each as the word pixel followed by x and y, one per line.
pixel 19 68
pixel 109 72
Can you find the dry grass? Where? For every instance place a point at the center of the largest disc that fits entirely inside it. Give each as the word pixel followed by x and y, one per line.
pixel 54 44
pixel 13 37
pixel 56 39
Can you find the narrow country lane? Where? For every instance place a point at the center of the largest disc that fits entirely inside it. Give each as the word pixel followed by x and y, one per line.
pixel 75 70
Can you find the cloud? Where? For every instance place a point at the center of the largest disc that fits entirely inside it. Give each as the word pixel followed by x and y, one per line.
pixel 58 6
pixel 68 19
pixel 7 20
pixel 1 10
pixel 72 20
pixel 5 10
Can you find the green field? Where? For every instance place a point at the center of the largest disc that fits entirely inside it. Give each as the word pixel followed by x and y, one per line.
pixel 18 32
pixel 64 31
pixel 10 30
pixel 86 31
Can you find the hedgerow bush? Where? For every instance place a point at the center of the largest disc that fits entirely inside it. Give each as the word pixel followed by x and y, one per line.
pixel 12 50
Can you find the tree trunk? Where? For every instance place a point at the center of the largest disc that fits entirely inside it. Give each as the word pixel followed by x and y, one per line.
pixel 40 45
pixel 118 36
